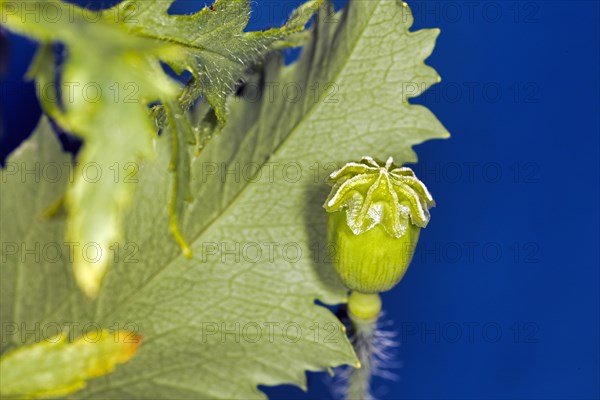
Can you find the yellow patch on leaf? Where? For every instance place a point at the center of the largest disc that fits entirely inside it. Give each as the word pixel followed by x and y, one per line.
pixel 57 367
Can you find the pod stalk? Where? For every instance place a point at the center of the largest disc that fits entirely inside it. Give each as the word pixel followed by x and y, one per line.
pixel 364 311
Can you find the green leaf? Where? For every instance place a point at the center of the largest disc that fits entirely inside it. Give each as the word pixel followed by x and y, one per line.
pixel 117 129
pixel 258 186
pixel 56 367
pixel 181 135
pixel 220 51
pixel 111 74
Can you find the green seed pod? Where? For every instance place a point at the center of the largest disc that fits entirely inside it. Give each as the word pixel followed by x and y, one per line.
pixel 375 214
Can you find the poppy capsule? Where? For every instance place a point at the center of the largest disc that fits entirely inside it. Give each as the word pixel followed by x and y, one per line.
pixel 375 213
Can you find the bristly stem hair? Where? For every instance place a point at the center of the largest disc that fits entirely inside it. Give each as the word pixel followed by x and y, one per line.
pixel 372 343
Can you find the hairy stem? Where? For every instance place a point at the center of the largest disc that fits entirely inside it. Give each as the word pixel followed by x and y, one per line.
pixel 364 311
pixel 363 340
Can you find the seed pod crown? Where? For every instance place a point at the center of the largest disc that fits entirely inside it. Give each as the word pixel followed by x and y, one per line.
pixel 374 193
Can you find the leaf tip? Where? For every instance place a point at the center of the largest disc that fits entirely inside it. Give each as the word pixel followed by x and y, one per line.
pixel 89 276
pixel 131 343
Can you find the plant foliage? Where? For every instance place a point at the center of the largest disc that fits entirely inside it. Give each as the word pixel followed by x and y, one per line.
pixel 241 311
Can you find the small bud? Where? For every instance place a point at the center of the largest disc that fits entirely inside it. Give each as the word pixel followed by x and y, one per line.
pixel 375 214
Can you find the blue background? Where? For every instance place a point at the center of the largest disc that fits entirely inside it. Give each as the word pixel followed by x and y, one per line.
pixel 502 298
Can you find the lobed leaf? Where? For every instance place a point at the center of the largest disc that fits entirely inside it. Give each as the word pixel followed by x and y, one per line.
pixel 111 74
pixel 259 185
